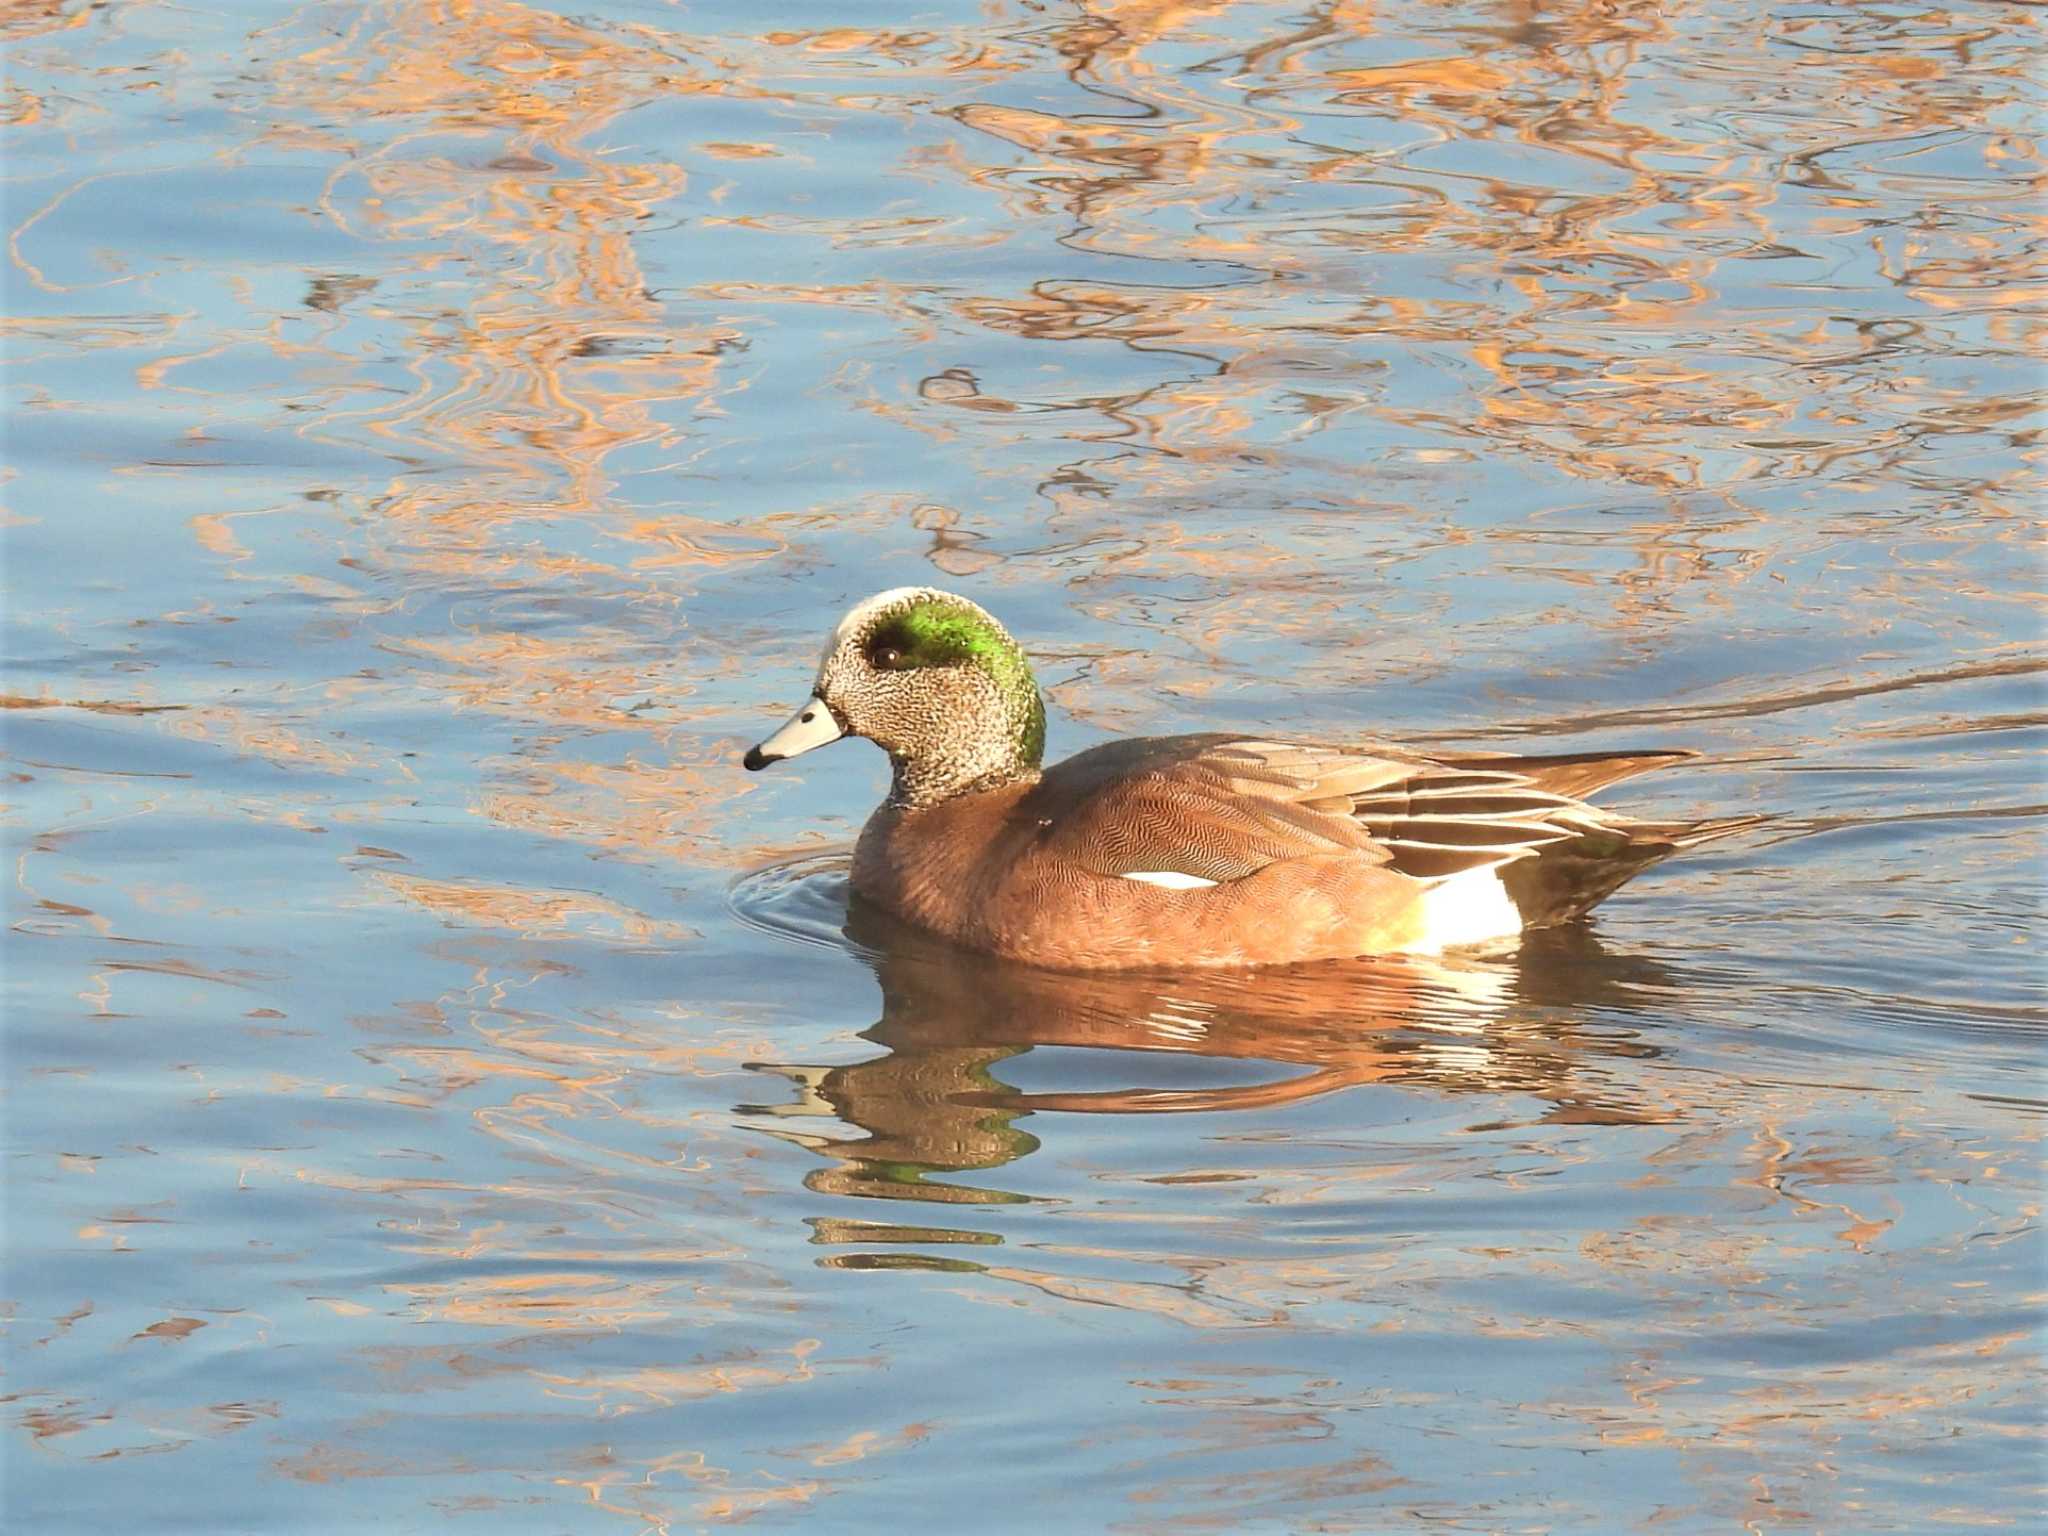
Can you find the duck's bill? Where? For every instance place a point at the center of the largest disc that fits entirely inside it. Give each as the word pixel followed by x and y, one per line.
pixel 812 726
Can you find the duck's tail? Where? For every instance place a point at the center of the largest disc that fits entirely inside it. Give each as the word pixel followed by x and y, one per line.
pixel 1567 879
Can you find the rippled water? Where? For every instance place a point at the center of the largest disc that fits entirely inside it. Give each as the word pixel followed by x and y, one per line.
pixel 440 1088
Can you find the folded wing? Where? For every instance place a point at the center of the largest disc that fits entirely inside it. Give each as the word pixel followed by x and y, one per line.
pixel 1219 808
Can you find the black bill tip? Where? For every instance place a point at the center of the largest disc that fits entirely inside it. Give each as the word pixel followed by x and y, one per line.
pixel 756 760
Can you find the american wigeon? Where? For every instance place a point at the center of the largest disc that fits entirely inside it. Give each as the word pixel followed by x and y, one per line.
pixel 1209 850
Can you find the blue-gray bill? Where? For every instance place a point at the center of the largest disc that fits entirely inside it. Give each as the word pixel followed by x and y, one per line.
pixel 812 726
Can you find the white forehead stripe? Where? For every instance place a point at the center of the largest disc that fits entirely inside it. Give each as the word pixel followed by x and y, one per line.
pixel 1172 879
pixel 858 615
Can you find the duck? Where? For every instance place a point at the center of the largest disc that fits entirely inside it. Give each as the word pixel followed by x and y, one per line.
pixel 1214 849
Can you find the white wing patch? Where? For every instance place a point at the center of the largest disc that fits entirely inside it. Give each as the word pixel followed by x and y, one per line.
pixel 1467 908
pixel 1172 879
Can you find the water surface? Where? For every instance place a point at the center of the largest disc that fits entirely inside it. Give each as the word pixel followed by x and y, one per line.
pixel 441 1089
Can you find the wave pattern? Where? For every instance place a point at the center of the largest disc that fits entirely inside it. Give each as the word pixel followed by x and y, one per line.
pixel 440 432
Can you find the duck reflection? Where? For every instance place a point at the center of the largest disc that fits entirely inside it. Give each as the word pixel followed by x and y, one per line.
pixel 905 1124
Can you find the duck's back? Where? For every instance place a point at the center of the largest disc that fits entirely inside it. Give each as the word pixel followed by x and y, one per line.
pixel 1224 850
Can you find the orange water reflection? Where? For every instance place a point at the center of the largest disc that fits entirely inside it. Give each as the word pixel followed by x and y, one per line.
pixel 484 477
pixel 1571 312
pixel 934 1105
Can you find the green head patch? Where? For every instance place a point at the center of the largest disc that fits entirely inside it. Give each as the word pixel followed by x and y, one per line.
pixel 939 631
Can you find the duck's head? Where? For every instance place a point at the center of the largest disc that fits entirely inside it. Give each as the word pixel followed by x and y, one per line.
pixel 934 681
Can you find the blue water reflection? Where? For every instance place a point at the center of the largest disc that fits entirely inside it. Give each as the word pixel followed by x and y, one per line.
pixel 440 1086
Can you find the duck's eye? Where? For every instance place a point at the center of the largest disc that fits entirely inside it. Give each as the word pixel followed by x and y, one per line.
pixel 888 658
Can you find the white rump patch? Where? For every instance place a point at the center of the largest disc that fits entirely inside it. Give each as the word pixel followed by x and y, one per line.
pixel 1172 879
pixel 1467 908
